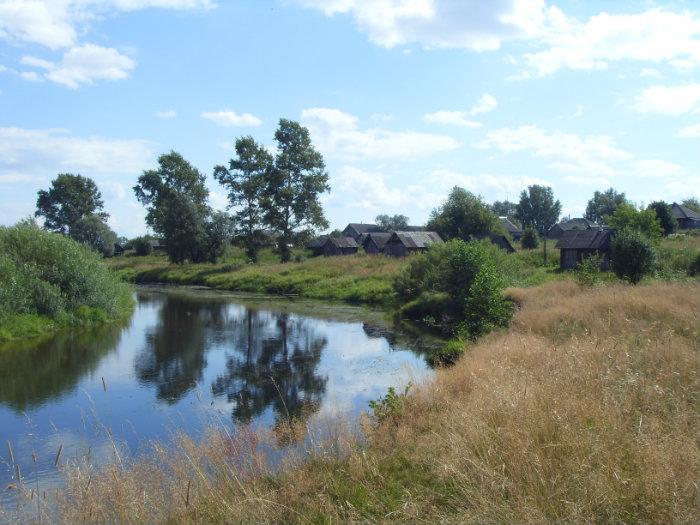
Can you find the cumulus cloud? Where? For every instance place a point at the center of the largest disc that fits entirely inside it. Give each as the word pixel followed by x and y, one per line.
pixel 668 100
pixel 451 118
pixel 229 118
pixel 338 134
pixel 84 65
pixel 485 104
pixel 167 114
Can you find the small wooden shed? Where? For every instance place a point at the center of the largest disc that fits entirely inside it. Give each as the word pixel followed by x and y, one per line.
pixel 374 243
pixel 576 245
pixel 357 229
pixel 316 245
pixel 405 243
pixel 339 246
pixel 577 223
pixel 687 219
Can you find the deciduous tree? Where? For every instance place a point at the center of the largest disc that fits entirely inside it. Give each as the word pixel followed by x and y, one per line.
pixel 70 198
pixel 391 223
pixel 538 209
pixel 463 216
pixel 603 204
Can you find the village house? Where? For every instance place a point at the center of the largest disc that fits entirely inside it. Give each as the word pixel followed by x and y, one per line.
pixel 374 243
pixel 316 245
pixel 577 223
pixel 515 232
pixel 357 229
pixel 339 246
pixel 687 218
pixel 404 243
pixel 576 245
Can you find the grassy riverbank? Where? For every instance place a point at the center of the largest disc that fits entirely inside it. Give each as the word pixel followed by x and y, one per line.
pixel 585 409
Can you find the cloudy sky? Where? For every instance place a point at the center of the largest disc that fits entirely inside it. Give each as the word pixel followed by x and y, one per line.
pixel 405 98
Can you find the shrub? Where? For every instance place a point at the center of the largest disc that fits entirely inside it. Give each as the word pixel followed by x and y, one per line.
pixel 142 246
pixel 448 353
pixel 695 267
pixel 455 286
pixel 94 232
pixel 588 271
pixel 529 240
pixel 632 255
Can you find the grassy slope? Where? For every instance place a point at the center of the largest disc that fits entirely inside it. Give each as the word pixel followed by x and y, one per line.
pixel 585 409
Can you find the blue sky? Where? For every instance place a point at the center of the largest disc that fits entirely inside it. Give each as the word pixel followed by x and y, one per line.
pixel 405 98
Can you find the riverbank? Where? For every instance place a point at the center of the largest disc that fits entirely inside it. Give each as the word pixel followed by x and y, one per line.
pixel 583 410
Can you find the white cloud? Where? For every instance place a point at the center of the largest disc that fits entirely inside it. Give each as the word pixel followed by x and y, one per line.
pixel 650 72
pixel 656 168
pixel 167 114
pixel 32 76
pixel 668 100
pixel 690 132
pixel 451 118
pixel 485 104
pixel 228 118
pixel 17 177
pixel 337 134
pixel 487 184
pixel 84 65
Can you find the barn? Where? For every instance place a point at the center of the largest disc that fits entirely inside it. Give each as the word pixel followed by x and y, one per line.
pixel 575 245
pixel 374 243
pixel 339 246
pixel 357 229
pixel 578 223
pixel 316 245
pixel 404 243
pixel 687 218
pixel 515 232
pixel 499 240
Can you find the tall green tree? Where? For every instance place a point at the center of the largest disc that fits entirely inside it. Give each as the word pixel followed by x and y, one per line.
pixel 294 185
pixel 70 198
pixel 538 209
pixel 603 204
pixel 463 216
pixel 391 223
pixel 665 216
pixel 94 231
pixel 628 217
pixel 505 209
pixel 245 179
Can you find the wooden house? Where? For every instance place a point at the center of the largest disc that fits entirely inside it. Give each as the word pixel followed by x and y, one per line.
pixel 357 229
pixel 499 240
pixel 577 223
pixel 405 243
pixel 515 232
pixel 374 243
pixel 686 218
pixel 339 246
pixel 316 245
pixel 575 245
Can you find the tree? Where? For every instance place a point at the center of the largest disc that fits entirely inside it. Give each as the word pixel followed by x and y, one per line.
pixel 245 179
pixel 294 184
pixel 664 216
pixel 93 231
pixel 70 198
pixel 504 209
pixel 463 216
pixel 692 203
pixel 627 216
pixel 389 223
pixel 603 204
pixel 529 241
pixel 219 229
pixel 538 209
pixel 632 255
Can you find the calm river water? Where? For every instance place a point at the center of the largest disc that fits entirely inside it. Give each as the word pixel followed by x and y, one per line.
pixel 187 359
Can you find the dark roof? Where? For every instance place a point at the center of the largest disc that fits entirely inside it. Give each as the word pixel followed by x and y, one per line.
pixel 363 228
pixel 413 229
pixel 593 239
pixel 683 212
pixel 499 240
pixel 509 226
pixel 577 223
pixel 342 242
pixel 317 242
pixel 379 238
pixel 420 239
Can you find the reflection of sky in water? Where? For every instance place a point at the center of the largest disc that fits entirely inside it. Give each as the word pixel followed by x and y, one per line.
pixel 161 374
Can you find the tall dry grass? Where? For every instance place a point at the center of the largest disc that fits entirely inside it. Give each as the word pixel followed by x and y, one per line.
pixel 585 410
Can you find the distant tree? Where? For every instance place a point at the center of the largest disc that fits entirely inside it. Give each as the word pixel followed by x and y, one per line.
pixel 245 179
pixel 337 233
pixel 391 223
pixel 142 245
pixel 603 204
pixel 538 209
pixel 505 209
pixel 219 230
pixel 294 184
pixel 664 216
pixel 529 240
pixel 692 203
pixel 628 217
pixel 70 198
pixel 632 255
pixel 94 231
pixel 463 216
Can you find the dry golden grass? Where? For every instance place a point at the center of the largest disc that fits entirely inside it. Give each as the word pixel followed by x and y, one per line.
pixel 585 410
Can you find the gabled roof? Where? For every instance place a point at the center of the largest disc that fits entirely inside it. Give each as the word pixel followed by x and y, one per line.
pixel 342 242
pixel 593 239
pixel 683 212
pixel 379 238
pixel 577 223
pixel 363 228
pixel 509 226
pixel 317 242
pixel 420 239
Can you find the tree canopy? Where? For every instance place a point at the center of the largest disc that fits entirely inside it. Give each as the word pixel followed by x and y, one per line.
pixel 463 216
pixel 93 231
pixel 665 216
pixel 505 209
pixel 391 223
pixel 538 208
pixel 603 204
pixel 628 217
pixel 692 203
pixel 70 198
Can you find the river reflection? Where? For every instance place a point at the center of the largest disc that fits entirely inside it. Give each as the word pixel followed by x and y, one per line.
pixel 186 360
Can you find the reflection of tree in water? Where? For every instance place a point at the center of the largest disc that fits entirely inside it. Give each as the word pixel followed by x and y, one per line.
pixel 274 365
pixel 174 354
pixel 33 375
pixel 403 337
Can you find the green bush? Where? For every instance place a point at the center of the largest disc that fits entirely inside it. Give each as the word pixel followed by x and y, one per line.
pixel 142 246
pixel 632 255
pixel 529 240
pixel 588 272
pixel 695 267
pixel 448 353
pixel 54 276
pixel 456 286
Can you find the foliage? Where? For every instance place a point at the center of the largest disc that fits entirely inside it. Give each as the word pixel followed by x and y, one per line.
pixel 142 245
pixel 665 216
pixel 692 203
pixel 627 216
pixel 455 286
pixel 632 255
pixel 218 232
pixel 49 275
pixel 294 184
pixel 604 204
pixel 94 232
pixel 504 209
pixel 529 240
pixel 390 406
pixel 245 179
pixel 463 216
pixel 538 209
pixel 448 353
pixel 389 223
pixel 694 269
pixel 588 272
pixel 70 198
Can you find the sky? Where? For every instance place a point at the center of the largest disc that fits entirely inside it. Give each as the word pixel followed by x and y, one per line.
pixel 404 98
